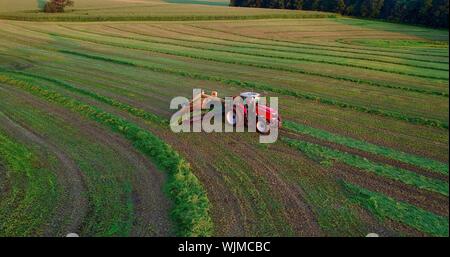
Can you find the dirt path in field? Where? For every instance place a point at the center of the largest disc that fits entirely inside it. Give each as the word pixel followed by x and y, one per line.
pixel 151 206
pixel 69 177
pixel 295 209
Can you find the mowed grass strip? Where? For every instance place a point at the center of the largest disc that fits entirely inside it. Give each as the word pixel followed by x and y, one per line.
pixel 385 207
pixel 266 226
pixel 281 42
pixel 32 192
pixel 310 46
pixel 331 59
pixel 263 87
pixel 254 46
pixel 327 155
pixel 231 60
pixel 122 106
pixel 191 205
pixel 390 153
pixel 300 45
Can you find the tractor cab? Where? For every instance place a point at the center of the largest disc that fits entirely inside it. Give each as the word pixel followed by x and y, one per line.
pixel 250 98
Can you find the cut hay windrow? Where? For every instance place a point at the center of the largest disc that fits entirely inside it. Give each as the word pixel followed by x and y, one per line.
pixel 122 106
pixel 265 87
pixel 256 47
pixel 296 44
pixel 304 59
pixel 425 163
pixel 390 153
pixel 263 66
pixel 384 207
pixel 233 61
pixel 33 191
pixel 191 207
pixel 309 46
pixel 327 156
pixel 246 181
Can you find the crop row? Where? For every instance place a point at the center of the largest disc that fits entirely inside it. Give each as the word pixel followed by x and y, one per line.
pixel 425 163
pixel 265 87
pixel 290 51
pixel 297 44
pixel 246 181
pixel 297 70
pixel 327 155
pixel 191 205
pixel 122 106
pixel 385 207
pixel 309 46
pixel 263 66
pixel 33 191
pixel 243 52
pixel 418 161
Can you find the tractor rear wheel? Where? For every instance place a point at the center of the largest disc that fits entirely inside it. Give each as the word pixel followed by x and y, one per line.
pixel 262 127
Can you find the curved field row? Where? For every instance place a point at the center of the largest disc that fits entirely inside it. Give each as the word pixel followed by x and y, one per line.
pixel 283 57
pixel 312 115
pixel 204 56
pixel 72 205
pixel 359 104
pixel 31 191
pixel 142 114
pixel 425 163
pixel 119 202
pixel 132 110
pixel 255 193
pixel 253 189
pixel 244 84
pixel 327 156
pixel 278 50
pixel 183 187
pixel 387 208
pixel 301 46
pixel 296 44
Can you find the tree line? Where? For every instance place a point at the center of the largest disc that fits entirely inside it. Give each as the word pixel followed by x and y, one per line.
pixel 53 6
pixel 432 13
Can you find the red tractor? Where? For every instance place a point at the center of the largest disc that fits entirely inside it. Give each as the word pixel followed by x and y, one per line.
pixel 265 117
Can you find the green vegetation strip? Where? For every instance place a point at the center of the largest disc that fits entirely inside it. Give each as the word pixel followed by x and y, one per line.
pixel 191 205
pixel 243 52
pixel 32 191
pixel 385 207
pixel 265 87
pixel 238 62
pixel 418 161
pixel 122 106
pixel 338 48
pixel 303 45
pixel 327 155
pixel 257 47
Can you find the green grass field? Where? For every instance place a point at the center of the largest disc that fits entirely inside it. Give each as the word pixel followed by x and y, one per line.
pixel 84 116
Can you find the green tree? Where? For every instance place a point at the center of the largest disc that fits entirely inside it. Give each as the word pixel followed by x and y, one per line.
pixel 57 5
